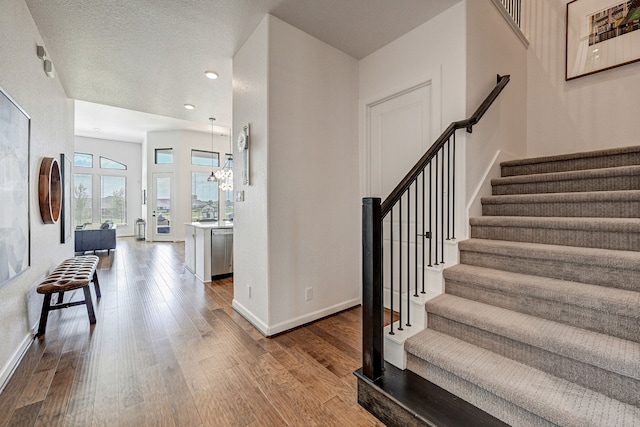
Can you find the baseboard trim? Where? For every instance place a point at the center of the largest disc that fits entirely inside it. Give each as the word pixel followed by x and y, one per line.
pixel 281 327
pixel 251 318
pixel 12 364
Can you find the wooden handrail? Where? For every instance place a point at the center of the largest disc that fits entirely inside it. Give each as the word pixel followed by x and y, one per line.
pixel 406 182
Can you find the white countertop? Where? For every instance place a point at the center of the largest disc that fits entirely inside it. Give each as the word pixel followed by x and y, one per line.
pixel 211 224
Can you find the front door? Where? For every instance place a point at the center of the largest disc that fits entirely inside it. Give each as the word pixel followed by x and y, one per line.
pixel 162 222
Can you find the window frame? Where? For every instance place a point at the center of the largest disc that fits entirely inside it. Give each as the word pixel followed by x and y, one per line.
pixel 155 156
pixel 124 166
pixel 215 158
pixel 124 198
pixel 76 153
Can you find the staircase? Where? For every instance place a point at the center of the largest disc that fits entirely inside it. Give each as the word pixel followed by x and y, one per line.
pixel 540 322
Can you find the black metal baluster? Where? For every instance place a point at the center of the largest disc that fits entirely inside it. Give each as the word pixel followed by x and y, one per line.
pixel 442 211
pixel 415 244
pixel 424 237
pixel 448 189
pixel 430 213
pixel 391 274
pixel 409 256
pixel 400 328
pixel 453 190
pixel 435 239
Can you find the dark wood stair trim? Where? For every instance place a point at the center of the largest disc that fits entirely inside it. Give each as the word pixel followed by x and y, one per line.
pixel 403 398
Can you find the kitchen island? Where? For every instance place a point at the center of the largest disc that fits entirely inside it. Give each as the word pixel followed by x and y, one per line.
pixel 208 249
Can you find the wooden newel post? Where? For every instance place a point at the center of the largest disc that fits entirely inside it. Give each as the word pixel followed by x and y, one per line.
pixel 372 304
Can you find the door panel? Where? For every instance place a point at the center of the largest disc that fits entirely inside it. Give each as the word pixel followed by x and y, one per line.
pixel 163 227
pixel 399 130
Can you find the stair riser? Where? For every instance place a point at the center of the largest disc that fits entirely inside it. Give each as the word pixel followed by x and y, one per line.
pixel 577 185
pixel 608 383
pixel 577 271
pixel 483 399
pixel 600 209
pixel 625 241
pixel 600 162
pixel 552 309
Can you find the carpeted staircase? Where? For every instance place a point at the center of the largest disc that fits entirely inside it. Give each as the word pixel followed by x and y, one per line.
pixel 540 322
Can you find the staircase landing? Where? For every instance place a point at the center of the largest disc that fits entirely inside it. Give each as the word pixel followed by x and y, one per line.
pixel 404 399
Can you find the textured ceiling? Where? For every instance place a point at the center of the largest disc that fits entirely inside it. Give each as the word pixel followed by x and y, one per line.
pixel 150 55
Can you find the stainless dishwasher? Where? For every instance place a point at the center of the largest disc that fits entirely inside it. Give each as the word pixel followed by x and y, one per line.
pixel 221 251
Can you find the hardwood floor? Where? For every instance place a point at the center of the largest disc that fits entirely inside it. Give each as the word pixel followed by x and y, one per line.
pixel 169 351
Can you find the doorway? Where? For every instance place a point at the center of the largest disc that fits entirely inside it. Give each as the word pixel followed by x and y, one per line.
pixel 161 204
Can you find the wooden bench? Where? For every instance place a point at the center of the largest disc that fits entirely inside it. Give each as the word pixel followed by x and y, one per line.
pixel 73 273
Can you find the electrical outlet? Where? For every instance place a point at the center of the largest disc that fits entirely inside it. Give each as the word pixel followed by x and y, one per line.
pixel 308 294
pixel 249 291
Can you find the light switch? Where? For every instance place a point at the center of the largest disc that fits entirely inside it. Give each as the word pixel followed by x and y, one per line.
pixel 240 196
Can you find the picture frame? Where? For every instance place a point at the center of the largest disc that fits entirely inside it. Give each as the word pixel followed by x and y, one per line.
pixel 67 199
pixel 15 225
pixel 601 36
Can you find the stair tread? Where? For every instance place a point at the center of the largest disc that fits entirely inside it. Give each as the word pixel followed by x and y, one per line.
pixel 600 298
pixel 572 156
pixel 576 254
pixel 600 173
pixel 555 399
pixel 580 197
pixel 597 349
pixel 631 225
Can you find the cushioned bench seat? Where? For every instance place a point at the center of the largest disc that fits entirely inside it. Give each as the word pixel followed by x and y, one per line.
pixel 73 273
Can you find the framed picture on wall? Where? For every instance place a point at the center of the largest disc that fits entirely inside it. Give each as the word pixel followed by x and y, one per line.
pixel 15 232
pixel 67 199
pixel 601 35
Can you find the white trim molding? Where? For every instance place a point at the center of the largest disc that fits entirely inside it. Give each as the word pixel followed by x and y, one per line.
pixel 498 4
pixel 12 364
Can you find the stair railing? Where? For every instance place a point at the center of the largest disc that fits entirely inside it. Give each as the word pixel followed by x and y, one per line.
pixel 514 9
pixel 429 223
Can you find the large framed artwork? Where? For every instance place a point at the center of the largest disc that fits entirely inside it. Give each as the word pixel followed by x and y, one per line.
pixel 601 35
pixel 15 238
pixel 65 223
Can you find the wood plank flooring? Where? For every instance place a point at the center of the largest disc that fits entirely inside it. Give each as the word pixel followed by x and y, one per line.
pixel 170 351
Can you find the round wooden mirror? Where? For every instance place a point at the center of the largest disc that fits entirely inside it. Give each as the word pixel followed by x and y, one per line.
pixel 50 190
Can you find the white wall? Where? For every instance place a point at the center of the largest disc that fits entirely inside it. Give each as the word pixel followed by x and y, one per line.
pixel 314 206
pixel 493 48
pixel 413 56
pixel 182 143
pixel 44 99
pixel 589 113
pixel 299 226
pixel 128 153
pixel 250 234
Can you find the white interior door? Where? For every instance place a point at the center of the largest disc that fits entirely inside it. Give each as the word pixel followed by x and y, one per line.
pixel 400 130
pixel 161 203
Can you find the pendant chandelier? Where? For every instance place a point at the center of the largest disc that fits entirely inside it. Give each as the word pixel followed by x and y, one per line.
pixel 225 175
pixel 212 177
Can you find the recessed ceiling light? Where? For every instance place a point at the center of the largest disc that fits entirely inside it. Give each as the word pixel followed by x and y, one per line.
pixel 97 129
pixel 211 75
pixel 189 106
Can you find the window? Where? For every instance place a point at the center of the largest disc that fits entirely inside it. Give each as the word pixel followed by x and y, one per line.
pixel 228 205
pixel 113 197
pixel 205 158
pixel 204 197
pixel 83 198
pixel 106 163
pixel 83 160
pixel 228 195
pixel 164 156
